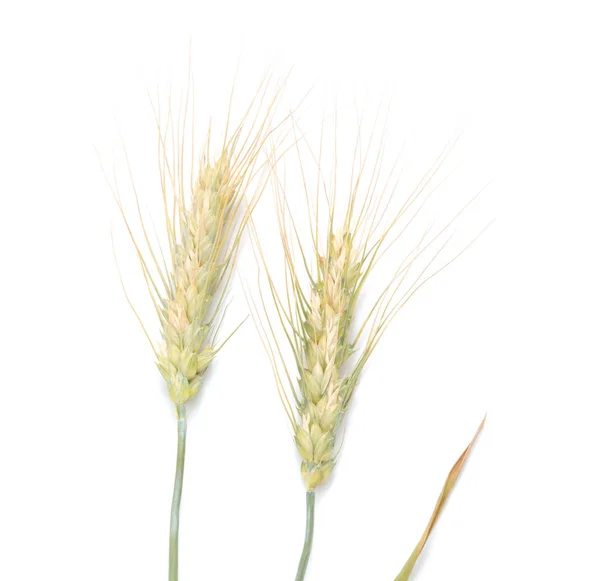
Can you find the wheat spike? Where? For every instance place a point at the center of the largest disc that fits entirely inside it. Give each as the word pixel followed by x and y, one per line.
pixel 204 220
pixel 324 391
pixel 198 264
pixel 206 209
pixel 329 347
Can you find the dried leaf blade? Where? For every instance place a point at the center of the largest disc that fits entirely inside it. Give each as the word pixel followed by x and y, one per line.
pixel 448 486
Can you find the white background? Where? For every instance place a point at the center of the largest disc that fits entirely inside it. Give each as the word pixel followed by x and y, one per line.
pixel 87 436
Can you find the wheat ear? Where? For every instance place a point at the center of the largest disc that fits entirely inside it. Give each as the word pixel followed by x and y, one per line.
pixel 199 265
pixel 204 219
pixel 317 308
pixel 325 391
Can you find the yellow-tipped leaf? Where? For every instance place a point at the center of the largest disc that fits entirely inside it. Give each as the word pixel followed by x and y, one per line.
pixel 448 486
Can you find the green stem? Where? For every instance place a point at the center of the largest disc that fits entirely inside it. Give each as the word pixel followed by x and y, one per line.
pixel 174 532
pixel 308 536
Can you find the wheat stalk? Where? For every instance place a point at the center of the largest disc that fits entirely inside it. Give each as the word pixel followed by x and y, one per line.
pixel 207 206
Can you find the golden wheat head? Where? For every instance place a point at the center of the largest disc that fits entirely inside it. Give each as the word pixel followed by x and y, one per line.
pixel 325 275
pixel 205 214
